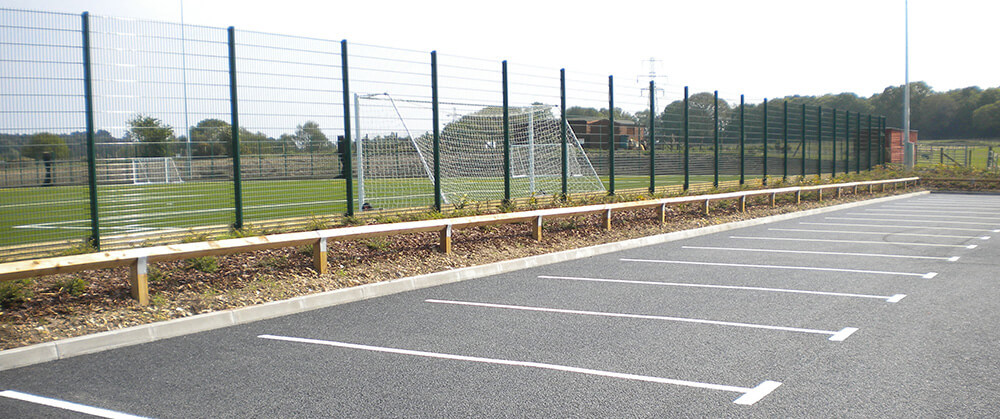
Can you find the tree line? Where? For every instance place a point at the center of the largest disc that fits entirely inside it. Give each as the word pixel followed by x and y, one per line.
pixel 965 113
pixel 148 136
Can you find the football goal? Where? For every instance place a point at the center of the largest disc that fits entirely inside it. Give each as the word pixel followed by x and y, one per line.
pixel 141 170
pixel 395 164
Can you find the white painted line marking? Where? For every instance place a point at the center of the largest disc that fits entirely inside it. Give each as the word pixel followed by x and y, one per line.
pixel 964 205
pixel 928 216
pixel 750 395
pixel 757 393
pixel 843 334
pixel 984 238
pixel 801 230
pixel 896 298
pixel 924 211
pixel 908 220
pixel 637 316
pixel 61 404
pixel 816 252
pixel 971 246
pixel 929 275
pixel 799 268
pixel 899 226
pixel 890 299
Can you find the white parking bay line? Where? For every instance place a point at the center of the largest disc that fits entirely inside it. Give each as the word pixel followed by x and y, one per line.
pixel 816 252
pixel 928 275
pixel 911 220
pixel 924 211
pixel 61 404
pixel 836 336
pixel 970 246
pixel 879 233
pixel 899 226
pixel 749 397
pixel 926 215
pixel 889 299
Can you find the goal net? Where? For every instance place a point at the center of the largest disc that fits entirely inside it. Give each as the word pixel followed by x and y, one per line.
pixel 396 164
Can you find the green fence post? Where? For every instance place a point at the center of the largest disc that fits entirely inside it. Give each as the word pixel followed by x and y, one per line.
pixel 743 138
pixel 869 159
pixel 784 140
pixel 881 141
pixel 652 137
pixel 88 91
pixel 847 142
pixel 235 115
pixel 764 139
pixel 819 142
pixel 611 135
pixel 437 132
pixel 348 170
pixel 506 137
pixel 804 143
pixel 687 144
pixel 857 143
pixel 833 157
pixel 715 139
pixel 562 134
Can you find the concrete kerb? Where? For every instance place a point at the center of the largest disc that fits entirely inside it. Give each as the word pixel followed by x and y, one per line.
pixel 66 348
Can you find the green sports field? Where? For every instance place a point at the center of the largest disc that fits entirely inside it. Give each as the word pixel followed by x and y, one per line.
pixel 59 213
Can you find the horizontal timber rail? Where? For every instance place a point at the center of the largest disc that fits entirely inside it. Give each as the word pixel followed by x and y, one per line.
pixel 139 259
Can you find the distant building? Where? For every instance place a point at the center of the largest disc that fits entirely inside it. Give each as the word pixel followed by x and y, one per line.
pixel 593 133
pixel 894 144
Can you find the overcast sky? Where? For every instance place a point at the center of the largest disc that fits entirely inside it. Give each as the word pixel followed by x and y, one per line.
pixel 763 48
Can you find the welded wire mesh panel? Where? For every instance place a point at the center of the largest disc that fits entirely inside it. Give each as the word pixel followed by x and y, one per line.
pixel 536 142
pixel 869 142
pixel 729 139
pixel 152 81
pixel 670 137
pixel 392 111
pixel 291 115
pixel 754 140
pixel 826 141
pixel 850 142
pixel 775 140
pixel 588 116
pixel 631 132
pixel 812 141
pixel 43 170
pixel 838 141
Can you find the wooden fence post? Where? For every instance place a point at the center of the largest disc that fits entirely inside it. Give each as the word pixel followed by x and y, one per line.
pixel 319 257
pixel 138 280
pixel 445 244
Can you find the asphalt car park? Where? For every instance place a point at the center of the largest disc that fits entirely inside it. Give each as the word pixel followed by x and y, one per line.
pixel 886 309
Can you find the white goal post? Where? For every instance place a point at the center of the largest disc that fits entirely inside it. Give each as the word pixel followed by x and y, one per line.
pixel 394 163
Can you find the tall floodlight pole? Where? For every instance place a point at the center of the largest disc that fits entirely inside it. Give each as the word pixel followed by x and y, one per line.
pixel 907 146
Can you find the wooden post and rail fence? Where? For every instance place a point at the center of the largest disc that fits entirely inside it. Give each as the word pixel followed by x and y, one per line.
pixel 138 259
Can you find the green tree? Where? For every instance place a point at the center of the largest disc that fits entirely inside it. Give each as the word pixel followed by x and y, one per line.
pixel 211 137
pixel 311 137
pixel 986 119
pixel 45 142
pixel 154 137
pixel 581 112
